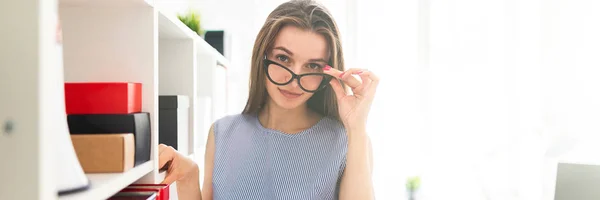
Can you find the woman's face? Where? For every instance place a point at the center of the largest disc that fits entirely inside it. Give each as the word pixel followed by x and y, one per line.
pixel 302 52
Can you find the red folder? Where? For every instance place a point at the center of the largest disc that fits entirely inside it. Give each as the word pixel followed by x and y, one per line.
pixel 162 190
pixel 103 98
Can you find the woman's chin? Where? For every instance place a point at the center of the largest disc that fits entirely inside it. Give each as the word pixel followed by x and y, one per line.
pixel 289 104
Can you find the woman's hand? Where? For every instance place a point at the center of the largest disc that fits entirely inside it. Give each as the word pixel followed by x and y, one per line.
pixel 179 167
pixel 354 107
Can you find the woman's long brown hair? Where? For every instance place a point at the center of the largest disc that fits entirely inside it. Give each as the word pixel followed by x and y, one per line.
pixel 307 15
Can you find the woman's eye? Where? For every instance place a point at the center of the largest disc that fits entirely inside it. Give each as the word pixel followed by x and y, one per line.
pixel 314 66
pixel 283 58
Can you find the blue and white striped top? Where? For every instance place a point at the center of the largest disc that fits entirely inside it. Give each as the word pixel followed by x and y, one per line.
pixel 254 162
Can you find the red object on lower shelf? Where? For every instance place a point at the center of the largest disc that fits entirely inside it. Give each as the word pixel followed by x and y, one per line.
pixel 162 190
pixel 103 98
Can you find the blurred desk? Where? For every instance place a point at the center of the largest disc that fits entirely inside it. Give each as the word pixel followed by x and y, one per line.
pixel 577 182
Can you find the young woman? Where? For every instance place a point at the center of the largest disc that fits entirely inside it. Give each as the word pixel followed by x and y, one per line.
pixel 302 134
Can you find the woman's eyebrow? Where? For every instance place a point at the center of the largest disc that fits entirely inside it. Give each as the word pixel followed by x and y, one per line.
pixel 284 49
pixel 291 54
pixel 317 60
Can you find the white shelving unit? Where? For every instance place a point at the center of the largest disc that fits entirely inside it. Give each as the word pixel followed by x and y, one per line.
pixel 190 66
pixel 105 184
pixel 103 41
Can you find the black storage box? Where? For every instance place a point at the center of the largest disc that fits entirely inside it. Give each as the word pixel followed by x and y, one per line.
pixel 136 123
pixel 173 121
pixel 216 39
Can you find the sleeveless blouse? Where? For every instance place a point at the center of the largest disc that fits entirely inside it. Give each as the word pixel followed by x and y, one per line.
pixel 254 162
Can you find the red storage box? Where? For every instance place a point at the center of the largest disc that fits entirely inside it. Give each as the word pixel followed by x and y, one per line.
pixel 162 190
pixel 103 98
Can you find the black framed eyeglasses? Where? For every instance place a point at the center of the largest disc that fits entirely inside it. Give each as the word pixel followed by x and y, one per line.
pixel 281 75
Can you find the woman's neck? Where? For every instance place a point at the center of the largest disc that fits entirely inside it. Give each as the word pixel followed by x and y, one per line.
pixel 287 120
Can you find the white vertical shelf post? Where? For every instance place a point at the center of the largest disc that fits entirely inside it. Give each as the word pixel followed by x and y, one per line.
pixel 26 131
pixel 207 65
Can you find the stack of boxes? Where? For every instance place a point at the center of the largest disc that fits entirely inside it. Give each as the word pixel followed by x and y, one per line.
pixel 110 133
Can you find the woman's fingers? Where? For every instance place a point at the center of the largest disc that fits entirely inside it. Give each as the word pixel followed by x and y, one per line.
pixel 368 75
pixel 371 80
pixel 350 79
pixel 366 84
pixel 177 165
pixel 165 154
pixel 337 88
pixel 170 178
pixel 370 86
pixel 332 71
pixel 346 76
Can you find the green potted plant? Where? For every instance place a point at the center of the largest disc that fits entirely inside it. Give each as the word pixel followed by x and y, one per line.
pixel 412 185
pixel 191 19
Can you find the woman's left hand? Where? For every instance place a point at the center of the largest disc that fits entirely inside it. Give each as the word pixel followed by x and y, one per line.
pixel 354 107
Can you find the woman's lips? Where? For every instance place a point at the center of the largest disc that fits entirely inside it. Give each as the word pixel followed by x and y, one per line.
pixel 289 95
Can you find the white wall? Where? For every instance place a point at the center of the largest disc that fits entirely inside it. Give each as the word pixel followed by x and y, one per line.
pixel 387 43
pixel 512 91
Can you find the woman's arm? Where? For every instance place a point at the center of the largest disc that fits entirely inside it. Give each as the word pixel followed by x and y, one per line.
pixel 356 180
pixel 181 169
pixel 209 158
pixel 186 172
pixel 189 187
pixel 354 109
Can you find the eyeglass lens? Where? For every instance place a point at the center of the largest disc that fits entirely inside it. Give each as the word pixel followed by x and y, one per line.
pixel 282 75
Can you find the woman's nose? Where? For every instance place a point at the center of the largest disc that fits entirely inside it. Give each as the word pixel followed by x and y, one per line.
pixel 294 84
pixel 297 69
